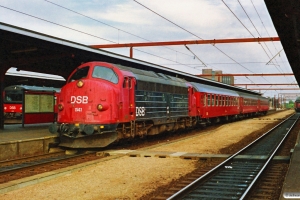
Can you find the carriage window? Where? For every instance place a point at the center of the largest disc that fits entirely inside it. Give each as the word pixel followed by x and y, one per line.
pixel 79 74
pixel 213 100
pixel 220 101
pixel 208 100
pixel 217 100
pixel 203 100
pixel 105 73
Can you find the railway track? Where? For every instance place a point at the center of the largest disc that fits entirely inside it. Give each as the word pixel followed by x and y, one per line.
pixel 234 178
pixel 24 167
pixel 21 168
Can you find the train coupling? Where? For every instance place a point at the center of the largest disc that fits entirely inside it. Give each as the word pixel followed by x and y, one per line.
pixel 72 129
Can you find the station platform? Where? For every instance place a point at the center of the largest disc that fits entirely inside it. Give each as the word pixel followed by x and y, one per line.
pixel 17 141
pixel 291 185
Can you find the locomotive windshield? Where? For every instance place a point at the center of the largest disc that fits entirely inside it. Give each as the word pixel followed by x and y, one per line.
pixel 79 74
pixel 12 97
pixel 105 73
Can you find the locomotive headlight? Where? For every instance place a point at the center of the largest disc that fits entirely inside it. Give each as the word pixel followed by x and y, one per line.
pixel 102 106
pixel 60 107
pixel 80 83
pixel 99 107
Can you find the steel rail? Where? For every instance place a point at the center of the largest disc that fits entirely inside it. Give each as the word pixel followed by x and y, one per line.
pixel 268 161
pixel 34 163
pixel 183 191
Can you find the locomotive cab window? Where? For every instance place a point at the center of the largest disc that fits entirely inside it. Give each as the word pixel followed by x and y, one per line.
pixel 79 74
pixel 13 97
pixel 105 73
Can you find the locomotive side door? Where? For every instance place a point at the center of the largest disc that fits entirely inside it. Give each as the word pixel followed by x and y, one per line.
pixel 131 87
pixel 127 104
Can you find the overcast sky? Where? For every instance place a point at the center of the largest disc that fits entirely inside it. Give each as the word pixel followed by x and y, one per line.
pixel 126 21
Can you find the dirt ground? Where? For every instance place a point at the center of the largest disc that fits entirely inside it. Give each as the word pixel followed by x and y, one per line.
pixel 134 177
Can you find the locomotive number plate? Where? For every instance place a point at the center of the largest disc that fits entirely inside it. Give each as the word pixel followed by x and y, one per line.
pixel 78 109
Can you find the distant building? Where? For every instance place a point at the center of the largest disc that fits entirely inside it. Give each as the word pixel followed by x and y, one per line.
pixel 215 76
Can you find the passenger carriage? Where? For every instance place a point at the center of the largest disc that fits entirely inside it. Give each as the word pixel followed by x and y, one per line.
pixel 215 104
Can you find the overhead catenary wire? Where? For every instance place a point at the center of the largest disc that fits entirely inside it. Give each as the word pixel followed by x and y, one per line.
pixel 272 42
pixel 264 27
pixel 124 31
pixel 190 33
pixel 73 29
pixel 238 19
pixel 258 34
pixel 82 32
pixel 246 27
pixel 195 55
pixel 175 63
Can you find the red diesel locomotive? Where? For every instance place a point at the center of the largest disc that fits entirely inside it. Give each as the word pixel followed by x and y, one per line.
pixel 104 102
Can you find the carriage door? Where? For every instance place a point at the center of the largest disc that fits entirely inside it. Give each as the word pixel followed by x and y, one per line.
pixel 192 109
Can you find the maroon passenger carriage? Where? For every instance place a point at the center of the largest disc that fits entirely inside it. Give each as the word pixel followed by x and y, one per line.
pixel 216 104
pixel 102 103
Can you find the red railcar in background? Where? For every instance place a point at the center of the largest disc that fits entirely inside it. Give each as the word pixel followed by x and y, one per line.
pixel 297 104
pixel 40 100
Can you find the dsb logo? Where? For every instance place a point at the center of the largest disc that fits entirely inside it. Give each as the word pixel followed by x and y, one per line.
pixel 140 111
pixel 79 99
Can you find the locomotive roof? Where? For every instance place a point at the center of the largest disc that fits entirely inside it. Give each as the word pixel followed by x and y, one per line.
pixel 32 88
pixel 150 76
pixel 212 89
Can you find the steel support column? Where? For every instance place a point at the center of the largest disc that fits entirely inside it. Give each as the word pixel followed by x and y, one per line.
pixel 3 70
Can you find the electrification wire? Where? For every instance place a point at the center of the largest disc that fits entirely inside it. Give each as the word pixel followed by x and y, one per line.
pixel 232 63
pixel 190 33
pixel 165 58
pixel 167 19
pixel 264 26
pixel 259 35
pixel 255 29
pixel 288 79
pixel 78 31
pixel 238 19
pixel 107 24
pixel 173 24
pixel 57 24
pixel 267 33
pixel 246 27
